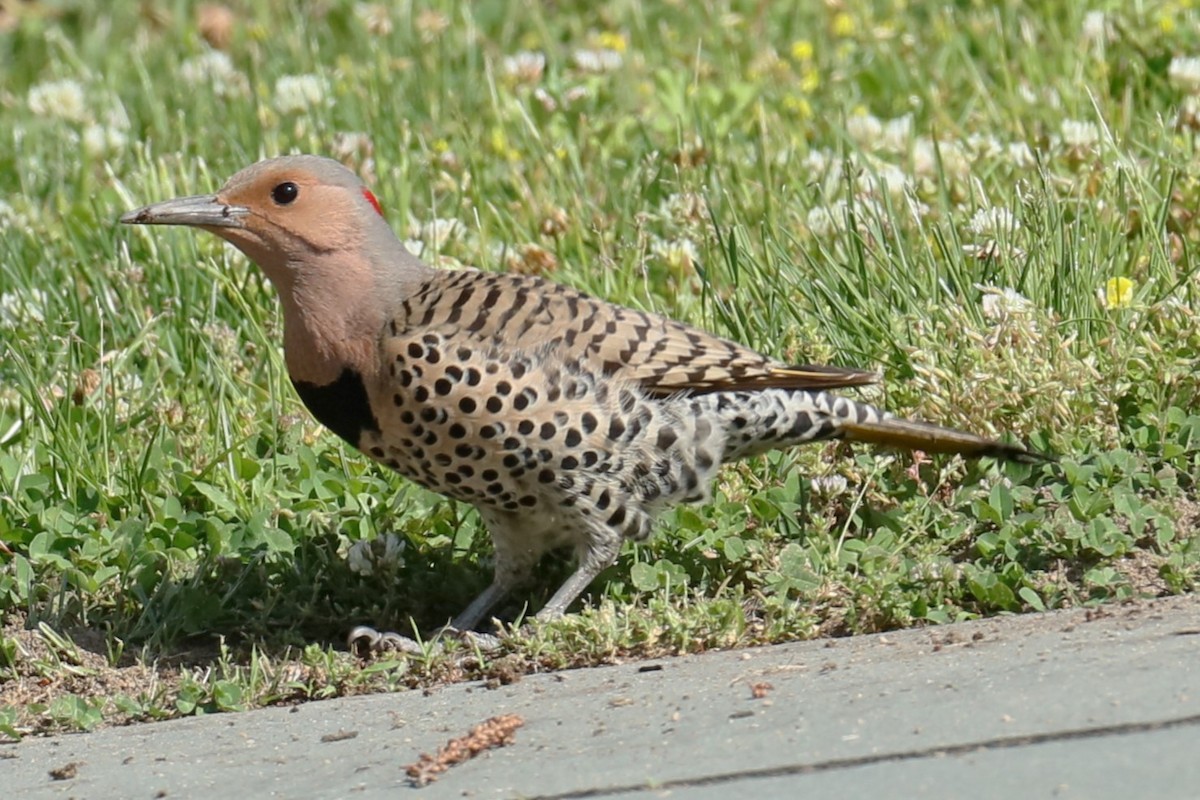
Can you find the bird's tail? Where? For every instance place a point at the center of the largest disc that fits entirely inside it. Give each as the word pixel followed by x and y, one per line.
pixel 905 434
pixel 759 421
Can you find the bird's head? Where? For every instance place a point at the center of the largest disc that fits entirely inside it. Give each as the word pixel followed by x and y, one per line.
pixel 291 215
pixel 319 235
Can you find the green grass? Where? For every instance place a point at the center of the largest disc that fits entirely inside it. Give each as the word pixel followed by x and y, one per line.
pixel 176 533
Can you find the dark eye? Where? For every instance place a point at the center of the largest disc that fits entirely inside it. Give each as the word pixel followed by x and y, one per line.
pixel 285 193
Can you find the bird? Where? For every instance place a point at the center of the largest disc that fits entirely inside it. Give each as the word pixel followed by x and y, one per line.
pixel 565 420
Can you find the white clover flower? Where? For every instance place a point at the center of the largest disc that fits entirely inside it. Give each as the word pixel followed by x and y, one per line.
pixel 359 557
pixel 1095 27
pixel 823 163
pixel 599 60
pixel 215 69
pixel 393 550
pixel 994 227
pixel 431 24
pixel 824 221
pixel 916 209
pixel 991 249
pixel 375 17
pixel 998 304
pixel 1021 155
pixel 574 95
pixel 546 99
pixel 925 158
pixel 20 307
pixel 955 160
pixel 116 117
pixel 884 179
pixel 927 153
pixel 129 382
pixel 384 552
pixel 1188 115
pixel 58 100
pixel 984 145
pixel 211 65
pixel 352 144
pixel 868 209
pixel 1184 72
pixel 817 161
pixel 829 486
pixel 414 246
pixel 525 66
pixel 100 140
pixel 438 232
pixel 685 207
pixel 897 134
pixel 1079 134
pixel 994 221
pixel 865 130
pixel 678 254
pixel 296 93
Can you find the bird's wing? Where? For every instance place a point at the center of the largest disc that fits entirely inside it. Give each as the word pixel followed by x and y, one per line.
pixel 666 357
pixel 661 355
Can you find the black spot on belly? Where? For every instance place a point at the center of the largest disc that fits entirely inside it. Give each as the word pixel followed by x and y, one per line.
pixel 341 406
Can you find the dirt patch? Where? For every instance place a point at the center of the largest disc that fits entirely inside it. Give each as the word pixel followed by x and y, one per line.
pixel 1143 569
pixel 1187 516
pixel 48 667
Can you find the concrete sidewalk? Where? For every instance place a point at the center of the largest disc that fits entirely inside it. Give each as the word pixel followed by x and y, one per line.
pixel 1088 704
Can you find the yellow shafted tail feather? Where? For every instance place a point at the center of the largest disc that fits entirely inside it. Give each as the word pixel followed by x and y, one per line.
pixel 906 434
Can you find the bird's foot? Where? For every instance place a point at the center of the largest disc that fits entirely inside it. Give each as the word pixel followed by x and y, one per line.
pixel 365 639
pixel 483 642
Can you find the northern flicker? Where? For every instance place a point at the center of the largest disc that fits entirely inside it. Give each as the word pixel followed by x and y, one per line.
pixel 565 420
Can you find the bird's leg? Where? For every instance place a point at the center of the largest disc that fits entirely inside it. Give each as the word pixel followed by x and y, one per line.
pixel 514 561
pixel 473 614
pixel 597 555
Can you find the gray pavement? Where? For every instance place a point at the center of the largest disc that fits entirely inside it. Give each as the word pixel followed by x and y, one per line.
pixel 1078 704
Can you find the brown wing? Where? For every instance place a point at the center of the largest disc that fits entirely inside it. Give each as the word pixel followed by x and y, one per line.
pixel 662 355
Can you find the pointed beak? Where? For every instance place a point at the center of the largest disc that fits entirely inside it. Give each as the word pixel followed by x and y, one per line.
pixel 204 211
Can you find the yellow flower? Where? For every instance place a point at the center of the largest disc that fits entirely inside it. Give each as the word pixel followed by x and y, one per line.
pixel 501 147
pixel 1118 293
pixel 802 50
pixel 798 106
pixel 843 25
pixel 810 79
pixel 613 41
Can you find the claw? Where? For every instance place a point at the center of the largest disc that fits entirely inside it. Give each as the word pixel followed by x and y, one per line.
pixel 484 642
pixel 376 642
pixel 365 638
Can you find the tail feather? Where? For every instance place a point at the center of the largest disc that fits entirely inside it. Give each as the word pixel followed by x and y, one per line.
pixel 908 434
pixel 755 422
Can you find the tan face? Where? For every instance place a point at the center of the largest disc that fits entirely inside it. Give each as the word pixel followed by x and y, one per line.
pixel 318 234
pixel 280 213
pixel 294 206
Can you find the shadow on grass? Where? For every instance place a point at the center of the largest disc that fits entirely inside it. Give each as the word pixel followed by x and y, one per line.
pixel 314 597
